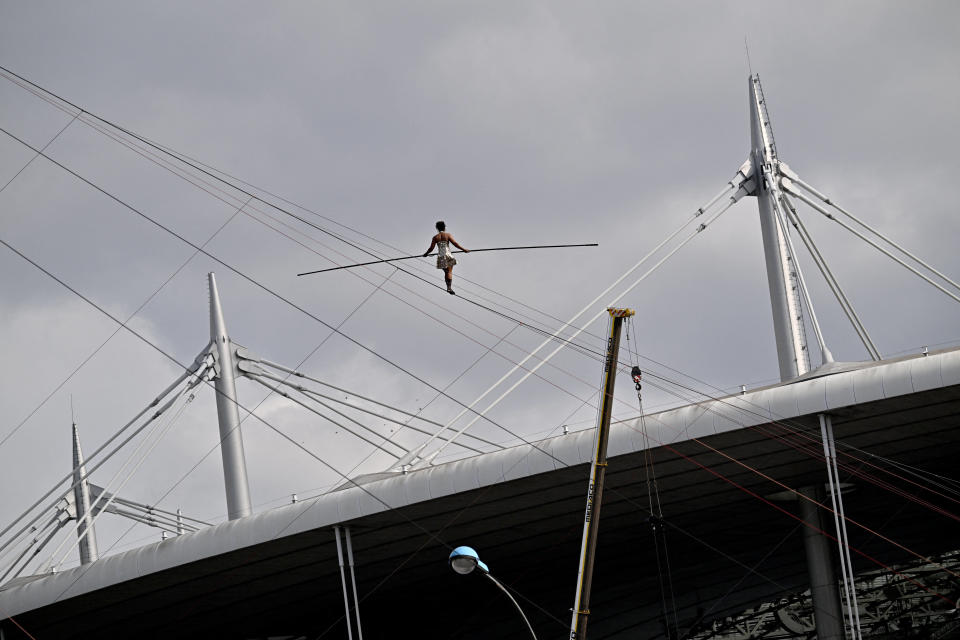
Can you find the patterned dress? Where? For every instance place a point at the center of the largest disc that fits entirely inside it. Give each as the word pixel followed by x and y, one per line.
pixel 444 258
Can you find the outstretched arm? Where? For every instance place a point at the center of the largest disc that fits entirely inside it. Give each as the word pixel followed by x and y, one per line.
pixel 433 243
pixel 457 245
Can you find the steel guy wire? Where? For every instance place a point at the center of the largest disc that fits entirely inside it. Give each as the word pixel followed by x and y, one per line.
pixel 732 588
pixel 277 390
pixel 102 447
pixel 261 419
pixel 189 178
pixel 117 330
pixel 411 416
pixel 899 261
pixel 37 155
pixel 246 277
pixel 248 413
pixel 795 178
pixel 174 154
pixel 790 426
pixel 235 187
pixel 805 449
pixel 799 496
pixel 832 283
pixel 653 491
pixel 314 395
pixel 612 302
pixel 102 502
pixel 700 211
pixel 798 518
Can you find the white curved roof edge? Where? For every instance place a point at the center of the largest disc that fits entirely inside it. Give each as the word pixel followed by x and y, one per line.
pixel 858 382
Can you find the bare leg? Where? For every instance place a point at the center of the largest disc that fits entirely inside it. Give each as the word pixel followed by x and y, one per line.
pixel 448 278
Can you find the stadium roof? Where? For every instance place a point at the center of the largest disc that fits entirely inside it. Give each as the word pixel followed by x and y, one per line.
pixel 719 465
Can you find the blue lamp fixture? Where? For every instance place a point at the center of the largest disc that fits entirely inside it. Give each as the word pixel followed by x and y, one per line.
pixel 464 560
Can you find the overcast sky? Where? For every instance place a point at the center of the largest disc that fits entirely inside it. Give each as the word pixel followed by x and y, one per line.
pixel 518 123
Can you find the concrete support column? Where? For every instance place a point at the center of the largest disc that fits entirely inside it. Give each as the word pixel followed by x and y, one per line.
pixel 828 614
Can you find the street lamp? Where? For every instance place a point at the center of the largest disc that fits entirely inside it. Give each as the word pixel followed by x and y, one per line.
pixel 464 560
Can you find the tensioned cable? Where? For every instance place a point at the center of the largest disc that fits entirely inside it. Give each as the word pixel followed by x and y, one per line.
pixel 798 494
pixel 653 492
pixel 261 419
pixel 672 525
pixel 156 223
pixel 233 186
pixel 269 204
pixel 364 264
pixel 817 207
pixel 795 178
pixel 787 424
pixel 450 384
pixel 124 324
pixel 811 449
pixel 822 506
pixel 190 179
pixel 781 220
pixel 13 544
pixel 37 533
pixel 257 406
pixel 280 392
pixel 155 510
pixel 299 374
pixel 749 568
pixel 176 155
pixel 251 280
pixel 37 155
pixel 316 397
pixel 732 588
pixel 702 226
pixel 103 446
pixel 593 354
pixel 157 414
pixel 700 211
pixel 568 323
pixel 809 525
pixel 101 502
pixel 831 280
pixel 44 94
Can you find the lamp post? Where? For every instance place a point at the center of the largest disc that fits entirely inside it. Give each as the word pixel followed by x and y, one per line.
pixel 464 560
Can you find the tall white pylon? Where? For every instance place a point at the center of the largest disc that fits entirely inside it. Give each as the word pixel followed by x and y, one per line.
pixel 81 495
pixel 782 276
pixel 231 440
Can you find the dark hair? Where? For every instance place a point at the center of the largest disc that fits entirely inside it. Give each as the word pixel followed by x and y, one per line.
pixel 441 225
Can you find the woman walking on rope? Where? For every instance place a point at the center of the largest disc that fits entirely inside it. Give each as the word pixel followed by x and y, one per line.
pixel 445 260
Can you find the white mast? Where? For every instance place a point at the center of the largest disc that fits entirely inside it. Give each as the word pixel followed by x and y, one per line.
pixel 81 495
pixel 231 440
pixel 782 276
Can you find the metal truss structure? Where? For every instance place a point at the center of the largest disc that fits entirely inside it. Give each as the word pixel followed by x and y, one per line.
pixel 894 604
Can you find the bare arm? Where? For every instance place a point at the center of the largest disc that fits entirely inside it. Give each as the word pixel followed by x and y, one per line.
pixel 457 244
pixel 433 243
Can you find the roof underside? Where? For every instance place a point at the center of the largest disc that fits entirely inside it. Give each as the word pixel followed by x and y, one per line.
pixel 727 547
